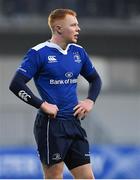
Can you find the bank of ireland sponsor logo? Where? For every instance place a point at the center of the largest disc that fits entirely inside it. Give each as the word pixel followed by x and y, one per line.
pixel 69 79
pixel 69 74
pixel 61 81
pixel 24 95
pixel 52 59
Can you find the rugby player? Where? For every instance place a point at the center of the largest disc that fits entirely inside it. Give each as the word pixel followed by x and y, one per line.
pixel 55 66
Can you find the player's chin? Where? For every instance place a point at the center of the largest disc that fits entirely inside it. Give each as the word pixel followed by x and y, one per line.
pixel 74 40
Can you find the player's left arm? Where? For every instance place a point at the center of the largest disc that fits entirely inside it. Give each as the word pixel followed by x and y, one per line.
pixel 85 106
pixel 89 72
pixel 95 84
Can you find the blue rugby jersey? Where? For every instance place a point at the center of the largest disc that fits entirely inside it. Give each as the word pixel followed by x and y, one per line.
pixel 55 72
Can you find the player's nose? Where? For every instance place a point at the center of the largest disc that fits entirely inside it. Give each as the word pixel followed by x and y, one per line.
pixel 78 28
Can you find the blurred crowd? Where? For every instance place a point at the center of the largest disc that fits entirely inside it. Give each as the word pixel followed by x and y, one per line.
pixel 84 8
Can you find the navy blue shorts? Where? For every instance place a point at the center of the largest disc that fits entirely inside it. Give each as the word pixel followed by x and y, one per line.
pixel 61 140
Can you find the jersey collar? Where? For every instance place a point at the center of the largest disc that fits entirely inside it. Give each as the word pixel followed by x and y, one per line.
pixel 53 45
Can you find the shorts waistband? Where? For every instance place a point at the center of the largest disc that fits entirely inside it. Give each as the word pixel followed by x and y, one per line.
pixel 63 117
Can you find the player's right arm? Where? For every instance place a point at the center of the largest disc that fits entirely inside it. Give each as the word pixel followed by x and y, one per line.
pixel 29 67
pixel 20 89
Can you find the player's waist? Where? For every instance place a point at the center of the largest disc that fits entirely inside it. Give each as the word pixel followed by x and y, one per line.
pixel 60 115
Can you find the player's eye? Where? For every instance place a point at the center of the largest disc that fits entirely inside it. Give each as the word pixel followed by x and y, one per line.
pixel 74 25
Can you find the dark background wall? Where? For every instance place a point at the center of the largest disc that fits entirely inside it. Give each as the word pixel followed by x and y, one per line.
pixel 97 42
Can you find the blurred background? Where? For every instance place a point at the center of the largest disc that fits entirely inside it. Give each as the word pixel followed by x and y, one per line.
pixel 110 33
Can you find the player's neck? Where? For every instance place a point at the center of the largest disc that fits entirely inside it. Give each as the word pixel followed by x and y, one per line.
pixel 59 41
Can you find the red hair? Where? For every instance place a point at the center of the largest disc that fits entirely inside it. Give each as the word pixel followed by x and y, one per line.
pixel 59 14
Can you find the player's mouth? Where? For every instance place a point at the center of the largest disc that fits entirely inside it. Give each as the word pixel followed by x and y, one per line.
pixel 76 36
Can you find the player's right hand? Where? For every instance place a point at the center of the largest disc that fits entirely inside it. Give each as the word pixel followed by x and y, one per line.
pixel 50 109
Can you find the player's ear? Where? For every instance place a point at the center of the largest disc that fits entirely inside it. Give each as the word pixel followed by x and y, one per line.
pixel 58 29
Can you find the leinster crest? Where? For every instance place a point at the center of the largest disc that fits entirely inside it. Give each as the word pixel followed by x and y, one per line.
pixel 77 57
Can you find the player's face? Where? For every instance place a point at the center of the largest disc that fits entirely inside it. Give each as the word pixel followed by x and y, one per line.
pixel 70 29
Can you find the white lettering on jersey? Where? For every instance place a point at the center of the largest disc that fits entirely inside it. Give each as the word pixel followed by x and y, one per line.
pixel 67 81
pixel 24 95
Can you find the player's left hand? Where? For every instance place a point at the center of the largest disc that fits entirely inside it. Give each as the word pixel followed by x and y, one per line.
pixel 83 108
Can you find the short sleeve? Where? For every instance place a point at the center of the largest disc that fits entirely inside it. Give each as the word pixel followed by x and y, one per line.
pixel 30 64
pixel 87 67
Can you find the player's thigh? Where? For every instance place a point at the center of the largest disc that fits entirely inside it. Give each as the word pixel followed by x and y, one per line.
pixel 53 171
pixel 83 172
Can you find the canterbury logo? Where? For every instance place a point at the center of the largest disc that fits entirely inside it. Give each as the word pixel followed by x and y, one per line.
pixel 24 95
pixel 52 59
